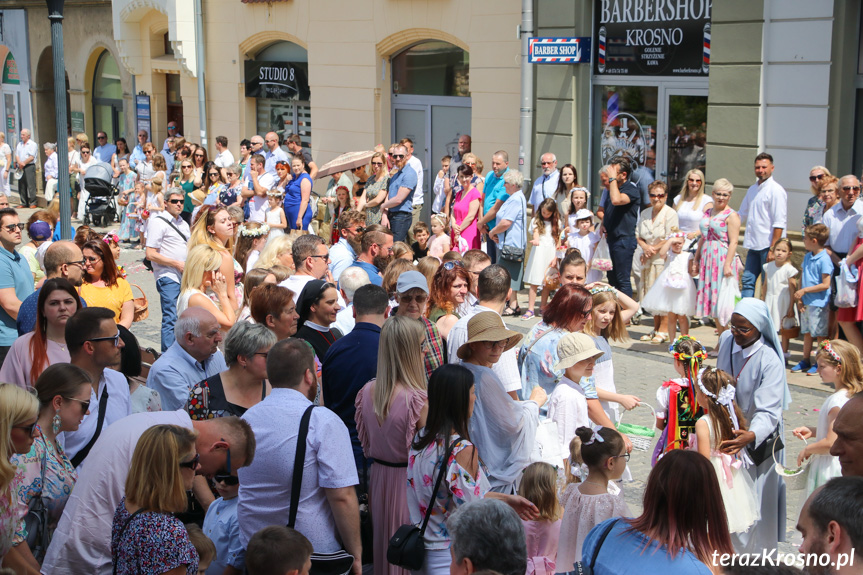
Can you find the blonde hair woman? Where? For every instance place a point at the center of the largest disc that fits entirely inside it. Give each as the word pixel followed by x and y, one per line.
pixel 145 531
pixel 203 282
pixel 215 228
pixel 691 203
pixel 390 411
pixel 815 207
pixel 277 252
pixel 18 412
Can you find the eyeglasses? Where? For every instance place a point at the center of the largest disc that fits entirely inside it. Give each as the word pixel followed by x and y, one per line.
pixel 192 463
pixel 30 429
pixel 83 153
pixel 172 127
pixel 625 456
pixel 741 330
pixel 79 263
pixel 816 178
pixel 226 477
pixel 101 137
pixel 422 298
pixel 545 163
pixel 721 195
pixel 179 201
pixel 85 403
pixel 115 338
pixel 654 196
pixel 849 188
pixel 91 259
pixel 214 174
pixel 12 227
pixel 397 156
pixel 389 249
pixel 496 344
pixel 452 264
pixel 325 257
pixel 199 155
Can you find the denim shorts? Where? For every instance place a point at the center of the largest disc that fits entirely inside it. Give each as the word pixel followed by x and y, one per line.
pixel 813 321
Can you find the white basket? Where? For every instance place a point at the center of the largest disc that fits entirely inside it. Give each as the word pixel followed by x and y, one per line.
pixel 795 479
pixel 640 442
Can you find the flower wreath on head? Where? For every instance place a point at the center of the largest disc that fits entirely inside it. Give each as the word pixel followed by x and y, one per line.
pixel 694 359
pixel 827 347
pixel 263 230
pixel 673 235
pixel 602 289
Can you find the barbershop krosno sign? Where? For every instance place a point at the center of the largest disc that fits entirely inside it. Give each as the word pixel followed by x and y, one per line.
pixel 652 37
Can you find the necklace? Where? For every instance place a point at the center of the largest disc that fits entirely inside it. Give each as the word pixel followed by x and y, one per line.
pixel 61 345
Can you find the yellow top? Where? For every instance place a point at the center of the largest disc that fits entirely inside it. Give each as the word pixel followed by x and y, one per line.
pixel 112 298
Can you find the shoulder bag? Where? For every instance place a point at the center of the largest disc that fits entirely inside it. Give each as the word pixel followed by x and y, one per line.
pixel 36 520
pixel 339 562
pixel 100 421
pixel 582 568
pixel 407 547
pixel 509 253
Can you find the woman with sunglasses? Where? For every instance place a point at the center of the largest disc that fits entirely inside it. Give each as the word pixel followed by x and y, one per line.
pixel 691 203
pixel 199 160
pixel 318 305
pixel 19 411
pixel 656 223
pixel 214 227
pixel 815 209
pixel 186 181
pixel 371 198
pixel 213 182
pixel 244 383
pixel 232 193
pixel 102 285
pixel 449 288
pixel 46 344
pixel 146 537
pixel 298 196
pixel 63 391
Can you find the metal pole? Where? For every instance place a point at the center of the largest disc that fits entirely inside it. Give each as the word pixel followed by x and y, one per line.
pixel 525 160
pixel 200 63
pixel 55 15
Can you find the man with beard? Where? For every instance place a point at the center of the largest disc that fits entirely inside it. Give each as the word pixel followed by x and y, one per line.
pixel 329 513
pixel 830 523
pixel 377 252
pixel 344 252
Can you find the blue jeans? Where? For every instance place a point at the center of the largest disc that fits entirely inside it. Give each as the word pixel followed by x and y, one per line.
pixel 755 260
pixel 621 250
pixel 491 248
pixel 169 292
pixel 400 224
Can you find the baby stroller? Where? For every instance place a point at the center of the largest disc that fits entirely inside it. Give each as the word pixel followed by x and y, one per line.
pixel 101 206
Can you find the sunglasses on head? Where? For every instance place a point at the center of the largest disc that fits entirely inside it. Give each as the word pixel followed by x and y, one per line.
pixel 452 264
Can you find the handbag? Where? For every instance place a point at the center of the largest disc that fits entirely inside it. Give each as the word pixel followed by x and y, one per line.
pixel 765 451
pixel 338 562
pixel 142 307
pixel 407 548
pixel 846 286
pixel 510 253
pixel 582 568
pixel 36 521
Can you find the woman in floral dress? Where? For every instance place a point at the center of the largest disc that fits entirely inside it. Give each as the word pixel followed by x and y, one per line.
pixel 720 230
pixel 372 198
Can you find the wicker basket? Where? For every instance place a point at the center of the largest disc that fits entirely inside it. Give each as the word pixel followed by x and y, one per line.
pixel 640 436
pixel 142 307
pixel 795 479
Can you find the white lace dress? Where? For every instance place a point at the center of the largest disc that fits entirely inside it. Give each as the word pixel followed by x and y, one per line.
pixel 581 513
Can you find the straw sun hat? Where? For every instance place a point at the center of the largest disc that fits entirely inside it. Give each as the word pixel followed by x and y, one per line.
pixel 487 326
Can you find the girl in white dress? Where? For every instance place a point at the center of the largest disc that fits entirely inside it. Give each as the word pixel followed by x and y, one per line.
pixel 780 284
pixel 673 293
pixel 839 364
pixel 715 396
pixel 584 240
pixel 275 214
pixel 545 230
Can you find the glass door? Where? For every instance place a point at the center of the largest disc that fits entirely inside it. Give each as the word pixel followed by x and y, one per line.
pixel 684 136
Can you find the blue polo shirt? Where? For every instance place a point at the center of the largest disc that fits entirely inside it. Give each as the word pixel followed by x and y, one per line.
pixel 404 178
pixel 349 364
pixel 813 268
pixel 494 191
pixel 14 273
pixel 374 275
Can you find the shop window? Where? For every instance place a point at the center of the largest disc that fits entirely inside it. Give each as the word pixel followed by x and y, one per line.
pixel 432 69
pixel 107 97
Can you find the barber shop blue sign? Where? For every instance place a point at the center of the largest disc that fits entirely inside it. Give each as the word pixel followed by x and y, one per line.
pixel 559 50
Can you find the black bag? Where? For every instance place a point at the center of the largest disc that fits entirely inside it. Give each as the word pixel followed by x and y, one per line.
pixel 582 568
pixel 510 253
pixel 765 451
pixel 339 562
pixel 407 547
pixel 366 527
pixel 36 522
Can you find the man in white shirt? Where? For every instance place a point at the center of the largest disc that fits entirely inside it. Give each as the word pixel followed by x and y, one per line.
pixel 545 185
pixel 94 344
pixel 105 150
pixel 260 182
pixel 419 194
pixel 82 541
pixel 224 159
pixel 167 235
pixel 86 161
pixel 26 153
pixel 50 170
pixel 493 291
pixel 765 211
pixel 327 512
pixel 274 153
pixel 842 218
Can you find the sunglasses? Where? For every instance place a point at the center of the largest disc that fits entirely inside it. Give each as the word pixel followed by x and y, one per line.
pixel 199 155
pixel 186 167
pixel 30 429
pixel 422 298
pixel 657 195
pixel 83 153
pixel 397 156
pixel 495 344
pixel 214 175
pixel 452 264
pixel 114 338
pixel 92 259
pixel 325 257
pixel 377 163
pixel 694 181
pixel 85 403
pixel 101 137
pixel 226 477
pixel 192 463
pixel 816 178
pixel 180 201
pixel 12 227
pixel 845 188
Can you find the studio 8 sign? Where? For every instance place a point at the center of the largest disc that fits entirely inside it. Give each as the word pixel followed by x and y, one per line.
pixel 652 37
pixel 277 80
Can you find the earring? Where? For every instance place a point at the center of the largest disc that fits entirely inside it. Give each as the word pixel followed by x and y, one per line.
pixel 55 422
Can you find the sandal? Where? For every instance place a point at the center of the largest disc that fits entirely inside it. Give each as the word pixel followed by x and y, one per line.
pixel 660 338
pixel 527 315
pixel 647 337
pixel 508 312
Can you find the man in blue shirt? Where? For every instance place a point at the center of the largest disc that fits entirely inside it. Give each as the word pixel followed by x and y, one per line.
pixel 105 150
pixel 495 196
pixel 377 252
pixel 137 154
pixel 619 222
pixel 353 360
pixel 344 252
pixel 63 259
pixel 274 153
pixel 16 279
pixel 401 190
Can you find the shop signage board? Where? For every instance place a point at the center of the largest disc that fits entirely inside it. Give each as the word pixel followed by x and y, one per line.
pixel 277 80
pixel 142 113
pixel 559 50
pixel 77 121
pixel 652 37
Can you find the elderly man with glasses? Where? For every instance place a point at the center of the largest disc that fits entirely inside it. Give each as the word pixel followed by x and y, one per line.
pixel 63 259
pixel 137 154
pixel 545 185
pixel 16 280
pixel 104 150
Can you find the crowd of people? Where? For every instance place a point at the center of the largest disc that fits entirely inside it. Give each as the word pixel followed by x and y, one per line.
pixel 334 368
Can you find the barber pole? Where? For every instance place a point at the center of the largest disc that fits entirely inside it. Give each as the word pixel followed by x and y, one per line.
pixel 601 57
pixel 705 61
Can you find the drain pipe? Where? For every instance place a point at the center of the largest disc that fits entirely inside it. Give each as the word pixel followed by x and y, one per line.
pixel 526 126
pixel 200 62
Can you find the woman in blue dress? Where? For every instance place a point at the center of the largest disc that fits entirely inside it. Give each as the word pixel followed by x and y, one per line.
pixel 297 197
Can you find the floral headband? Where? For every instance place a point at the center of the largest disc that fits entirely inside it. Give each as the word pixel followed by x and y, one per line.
pixel 602 289
pixel 676 235
pixel 111 237
pixel 699 355
pixel 263 230
pixel 826 347
pixel 275 193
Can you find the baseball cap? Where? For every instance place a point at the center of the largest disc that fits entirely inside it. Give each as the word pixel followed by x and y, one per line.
pixel 575 347
pixel 410 280
pixel 40 231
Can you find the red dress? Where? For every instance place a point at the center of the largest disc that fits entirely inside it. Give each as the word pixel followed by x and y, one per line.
pixel 460 210
pixel 852 314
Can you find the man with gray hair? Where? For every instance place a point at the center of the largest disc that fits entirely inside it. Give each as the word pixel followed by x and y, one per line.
pixel 351 280
pixel 487 534
pixel 50 171
pixel 831 523
pixel 545 185
pixel 495 196
pixel 26 154
pixel 167 237
pixel 193 357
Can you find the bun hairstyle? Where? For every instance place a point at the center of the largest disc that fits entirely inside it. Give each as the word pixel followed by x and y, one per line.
pixel 586 449
pixel 539 486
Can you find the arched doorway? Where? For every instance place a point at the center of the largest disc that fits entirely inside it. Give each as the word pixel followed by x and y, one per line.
pixel 431 103
pixel 107 97
pixel 45 111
